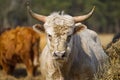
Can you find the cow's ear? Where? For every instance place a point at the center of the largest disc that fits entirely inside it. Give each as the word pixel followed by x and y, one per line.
pixel 79 27
pixel 38 28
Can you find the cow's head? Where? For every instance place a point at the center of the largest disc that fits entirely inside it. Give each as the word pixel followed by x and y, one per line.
pixel 59 29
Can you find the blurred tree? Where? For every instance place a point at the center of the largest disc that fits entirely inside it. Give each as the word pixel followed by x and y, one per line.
pixel 14 13
pixel 106 17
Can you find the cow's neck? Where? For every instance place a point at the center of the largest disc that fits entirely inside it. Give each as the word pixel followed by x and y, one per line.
pixel 53 70
pixel 58 70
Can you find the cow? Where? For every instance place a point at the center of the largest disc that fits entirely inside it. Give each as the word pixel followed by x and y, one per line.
pixel 114 40
pixel 72 52
pixel 21 45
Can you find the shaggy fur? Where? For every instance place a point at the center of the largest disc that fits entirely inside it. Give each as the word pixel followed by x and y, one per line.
pixel 20 45
pixel 83 51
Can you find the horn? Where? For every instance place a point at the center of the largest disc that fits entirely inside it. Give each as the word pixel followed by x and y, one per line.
pixel 35 15
pixel 84 17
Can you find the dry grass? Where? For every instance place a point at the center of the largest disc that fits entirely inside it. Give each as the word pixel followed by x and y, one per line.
pixel 105 38
pixel 114 54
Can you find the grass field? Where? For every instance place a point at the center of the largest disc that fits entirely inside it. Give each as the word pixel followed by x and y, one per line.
pixel 21 73
pixel 105 38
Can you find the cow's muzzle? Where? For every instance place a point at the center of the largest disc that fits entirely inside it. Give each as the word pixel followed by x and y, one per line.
pixel 60 55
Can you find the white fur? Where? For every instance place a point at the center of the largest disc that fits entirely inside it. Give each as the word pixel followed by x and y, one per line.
pixel 84 51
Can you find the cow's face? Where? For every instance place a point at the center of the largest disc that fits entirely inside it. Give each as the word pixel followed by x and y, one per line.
pixel 60 31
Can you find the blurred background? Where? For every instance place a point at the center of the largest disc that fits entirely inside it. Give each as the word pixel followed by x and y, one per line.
pixel 106 18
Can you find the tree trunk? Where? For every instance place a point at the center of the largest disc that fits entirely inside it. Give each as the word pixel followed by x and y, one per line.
pixel 117 26
pixel 13 4
pixel 15 15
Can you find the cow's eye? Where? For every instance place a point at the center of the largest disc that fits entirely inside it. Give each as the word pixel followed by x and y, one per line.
pixel 49 36
pixel 68 38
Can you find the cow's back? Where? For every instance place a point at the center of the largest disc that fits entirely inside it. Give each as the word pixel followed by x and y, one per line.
pixel 89 54
pixel 17 42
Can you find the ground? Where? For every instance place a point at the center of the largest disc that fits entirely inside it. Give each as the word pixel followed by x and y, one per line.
pixel 105 38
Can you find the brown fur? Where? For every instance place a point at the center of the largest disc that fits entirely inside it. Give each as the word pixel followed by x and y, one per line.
pixel 20 45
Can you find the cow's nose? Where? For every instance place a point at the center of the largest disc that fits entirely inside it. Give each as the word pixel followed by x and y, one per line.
pixel 59 54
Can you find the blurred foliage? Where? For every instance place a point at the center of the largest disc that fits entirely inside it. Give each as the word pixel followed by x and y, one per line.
pixel 106 17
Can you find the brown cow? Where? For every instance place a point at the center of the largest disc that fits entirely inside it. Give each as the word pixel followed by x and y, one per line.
pixel 20 45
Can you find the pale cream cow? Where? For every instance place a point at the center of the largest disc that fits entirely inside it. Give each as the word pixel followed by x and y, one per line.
pixel 73 52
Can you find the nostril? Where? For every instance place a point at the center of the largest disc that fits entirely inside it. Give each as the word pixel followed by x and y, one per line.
pixel 63 55
pixel 55 54
pixel 59 54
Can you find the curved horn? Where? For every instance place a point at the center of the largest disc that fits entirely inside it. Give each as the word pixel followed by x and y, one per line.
pixel 36 16
pixel 84 17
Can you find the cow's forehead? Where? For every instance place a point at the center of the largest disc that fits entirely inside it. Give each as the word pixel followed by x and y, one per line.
pixel 59 30
pixel 58 24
